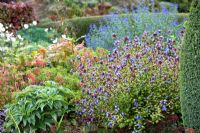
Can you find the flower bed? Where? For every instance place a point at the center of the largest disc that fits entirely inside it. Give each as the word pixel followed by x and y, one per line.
pixel 55 84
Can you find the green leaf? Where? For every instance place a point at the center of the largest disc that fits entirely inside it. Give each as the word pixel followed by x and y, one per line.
pixel 38 115
pixel 42 125
pixel 24 122
pixel 50 105
pixel 33 119
pixel 54 116
pixel 42 107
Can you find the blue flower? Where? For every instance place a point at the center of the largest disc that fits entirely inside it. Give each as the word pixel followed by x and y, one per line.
pixel 96 102
pixel 123 114
pixel 117 43
pixel 138 117
pixel 118 75
pixel 115 79
pixel 84 100
pixel 164 108
pixel 91 111
pixel 116 108
pixel 110 124
pixel 163 102
pixel 107 114
pixel 91 104
pixel 138 125
pixel 113 117
pixel 153 79
pixel 135 103
pixel 166 51
pixel 84 110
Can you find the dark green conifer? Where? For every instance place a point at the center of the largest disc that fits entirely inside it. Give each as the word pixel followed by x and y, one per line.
pixel 190 70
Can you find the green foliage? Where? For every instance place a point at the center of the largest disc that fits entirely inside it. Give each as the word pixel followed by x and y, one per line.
pixel 9 77
pixel 8 49
pixel 38 35
pixel 26 63
pixel 190 70
pixel 65 9
pixel 37 108
pixel 9 44
pixel 59 74
pixel 183 5
pixel 25 41
pixel 171 7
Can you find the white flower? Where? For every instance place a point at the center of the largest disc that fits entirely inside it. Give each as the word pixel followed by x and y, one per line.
pixel 8 35
pixel 2 29
pixel 13 39
pixel 4 48
pixel 2 35
pixel 20 37
pixel 1 25
pixel 26 26
pixel 69 39
pixel 64 36
pixel 46 30
pixel 55 41
pixel 35 23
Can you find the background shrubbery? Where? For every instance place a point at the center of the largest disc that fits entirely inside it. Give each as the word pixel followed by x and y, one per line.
pixel 130 26
pixel 183 5
pixel 15 15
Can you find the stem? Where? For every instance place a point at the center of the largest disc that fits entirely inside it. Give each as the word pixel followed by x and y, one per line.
pixel 14 122
pixel 58 127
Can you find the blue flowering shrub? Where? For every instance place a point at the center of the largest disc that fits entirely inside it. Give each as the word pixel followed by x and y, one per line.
pixel 101 36
pixel 130 25
pixel 136 83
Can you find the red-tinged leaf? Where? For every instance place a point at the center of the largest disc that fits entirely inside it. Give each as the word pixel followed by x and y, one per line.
pixel 190 130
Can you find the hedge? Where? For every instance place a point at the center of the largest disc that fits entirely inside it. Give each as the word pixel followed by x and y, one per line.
pixel 190 70
pixel 80 26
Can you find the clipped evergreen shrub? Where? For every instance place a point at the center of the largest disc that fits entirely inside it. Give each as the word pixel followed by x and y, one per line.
pixel 190 70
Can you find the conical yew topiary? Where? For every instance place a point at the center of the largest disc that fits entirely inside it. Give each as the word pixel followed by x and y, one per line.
pixel 190 70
